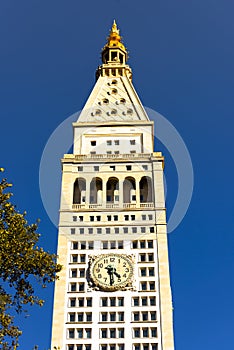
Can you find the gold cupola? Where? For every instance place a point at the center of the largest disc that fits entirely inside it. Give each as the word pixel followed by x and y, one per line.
pixel 114 56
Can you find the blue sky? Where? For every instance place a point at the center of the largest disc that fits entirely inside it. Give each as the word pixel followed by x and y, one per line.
pixel 182 55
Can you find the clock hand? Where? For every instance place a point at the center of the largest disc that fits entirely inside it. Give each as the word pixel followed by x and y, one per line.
pixel 117 274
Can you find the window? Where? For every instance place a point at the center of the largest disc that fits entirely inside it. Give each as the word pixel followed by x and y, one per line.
pixel 91 218
pixel 73 231
pixel 96 168
pixel 112 245
pixel 120 244
pixel 98 218
pixel 88 332
pixel 116 230
pixel 80 317
pixel 153 316
pixel 105 245
pixel 92 152
pixel 134 229
pixel 72 302
pixel 89 302
pixel 144 316
pixel 108 230
pixel 112 301
pixel 142 229
pixel 81 287
pixel 104 316
pixel 142 257
pixel 108 152
pixel 99 230
pixel 80 168
pixel 74 258
pixel 145 167
pixel 132 142
pixel 93 143
pixel 120 301
pixel 152 285
pixel 80 332
pixel 109 217
pixel 90 230
pixel 144 301
pixel 73 287
pixel 71 333
pixel 103 301
pixel 112 167
pixel 115 217
pixel 136 301
pixel 150 244
pixel 87 347
pixel 74 273
pixel 121 332
pixel 116 142
pixel 151 271
pixel 116 152
pixel 74 218
pixel 151 229
pixel 151 257
pixel 132 217
pixel 89 317
pixel 145 332
pixel 136 347
pixel 143 286
pixel 134 245
pixel 132 151
pixel 136 332
pixel 128 167
pixel 82 258
pixel 143 217
pixel 82 273
pixel 121 316
pixel 109 142
pixel 81 302
pixel 126 217
pixel 81 230
pixel 136 316
pixel 142 244
pixel 81 218
pixel 143 272
pixel 112 316
pixel 90 245
pixel 150 217
pixel 112 333
pixel 125 229
pixel 82 245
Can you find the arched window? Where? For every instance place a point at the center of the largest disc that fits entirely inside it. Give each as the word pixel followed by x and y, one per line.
pixel 96 190
pixel 79 191
pixel 112 190
pixel 129 188
pixel 146 194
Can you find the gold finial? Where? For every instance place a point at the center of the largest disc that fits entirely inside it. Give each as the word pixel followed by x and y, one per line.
pixel 114 28
pixel 114 38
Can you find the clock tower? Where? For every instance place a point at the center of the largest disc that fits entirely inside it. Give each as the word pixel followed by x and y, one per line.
pixel 114 290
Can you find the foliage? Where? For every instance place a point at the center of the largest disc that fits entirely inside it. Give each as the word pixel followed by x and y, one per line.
pixel 22 263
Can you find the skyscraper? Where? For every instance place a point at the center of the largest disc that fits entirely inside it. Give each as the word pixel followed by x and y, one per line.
pixel 114 290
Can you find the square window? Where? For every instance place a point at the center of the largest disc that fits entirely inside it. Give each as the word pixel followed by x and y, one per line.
pixel 152 285
pixel 120 301
pixel 116 152
pixel 134 245
pixel 108 230
pixel 74 273
pixel 80 168
pixel 90 245
pixel 136 316
pixel 133 217
pixel 126 217
pixel 136 347
pixel 88 332
pixel 89 302
pixel 151 257
pixel 104 316
pixel 81 287
pixel 142 257
pixel 82 273
pixel 151 229
pixel 91 218
pixel 150 217
pixel 96 168
pixel 99 218
pixel 81 302
pixel 82 258
pixel 73 231
pixel 81 218
pixel 151 271
pixel 134 229
pixel 116 230
pixel 145 167
pixel 121 347
pixel 93 143
pixel 90 230
pixel 152 301
pixel 150 244
pixel 112 347
pixel 71 333
pixel 73 287
pixel 112 167
pixel 143 285
pixel 143 217
pixel 109 217
pixel 72 302
pixel 136 332
pixel 132 142
pixel 136 301
pixel 128 167
pixel 112 333
pixel 132 151
pixel 142 244
pixel 121 332
pixel 87 347
pixel 80 317
pixel 112 301
pixel 116 142
pixel 115 217
pixel 93 152
pixel 108 152
pixel 153 332
pixel 120 245
pixel 109 142
pixel 71 347
pixel 120 316
pixel 153 316
pixel 80 332
pixel 105 245
pixel 82 245
pixel 81 230
pixel 104 301
pixel 145 346
pixel 112 245
pixel 103 347
pixel 74 258
pixel 125 229
pixel 133 197
pixel 144 316
pixel 74 218
pixel 145 332
pixel 99 230
pixel 144 301
pixel 112 316
pixel 143 272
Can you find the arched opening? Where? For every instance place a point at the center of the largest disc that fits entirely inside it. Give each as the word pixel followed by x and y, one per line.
pixel 79 191
pixel 96 191
pixel 112 190
pixel 146 189
pixel 129 190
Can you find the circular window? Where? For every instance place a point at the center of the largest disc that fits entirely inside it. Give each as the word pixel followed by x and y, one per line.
pixel 129 111
pixel 114 82
pixel 98 112
pixel 122 100
pixel 105 101
pixel 114 91
pixel 114 111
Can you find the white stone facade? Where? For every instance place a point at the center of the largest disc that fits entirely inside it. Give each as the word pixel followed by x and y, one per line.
pixel 112 202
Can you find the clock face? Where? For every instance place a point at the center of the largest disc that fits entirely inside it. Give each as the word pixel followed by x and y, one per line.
pixel 111 271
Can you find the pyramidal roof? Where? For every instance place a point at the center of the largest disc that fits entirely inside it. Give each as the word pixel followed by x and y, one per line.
pixel 113 97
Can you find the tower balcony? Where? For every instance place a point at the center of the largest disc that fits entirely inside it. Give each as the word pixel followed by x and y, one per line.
pixel 112 206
